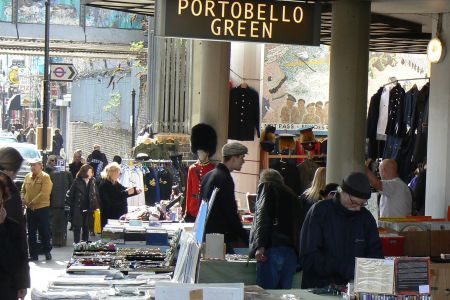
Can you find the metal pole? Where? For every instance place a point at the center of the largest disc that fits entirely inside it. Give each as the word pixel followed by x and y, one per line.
pixel 45 117
pixel 3 95
pixel 133 118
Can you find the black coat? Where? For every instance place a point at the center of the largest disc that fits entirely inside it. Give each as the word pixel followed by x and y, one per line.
pixel 278 217
pixel 331 237
pixel 372 122
pixel 223 216
pixel 113 200
pixel 76 200
pixel 395 125
pixel 243 117
pixel 14 269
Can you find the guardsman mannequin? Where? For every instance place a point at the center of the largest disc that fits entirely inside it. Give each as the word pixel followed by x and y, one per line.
pixel 203 143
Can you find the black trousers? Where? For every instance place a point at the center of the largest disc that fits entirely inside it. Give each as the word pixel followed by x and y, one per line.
pixel 39 220
pixel 82 230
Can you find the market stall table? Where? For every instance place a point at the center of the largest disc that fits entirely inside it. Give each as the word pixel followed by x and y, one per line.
pixel 229 271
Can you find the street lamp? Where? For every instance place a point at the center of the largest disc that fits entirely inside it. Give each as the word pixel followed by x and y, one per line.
pixel 46 85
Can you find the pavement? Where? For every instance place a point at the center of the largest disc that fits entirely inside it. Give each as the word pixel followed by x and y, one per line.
pixel 42 271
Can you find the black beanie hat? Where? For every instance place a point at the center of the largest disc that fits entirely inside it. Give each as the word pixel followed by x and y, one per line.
pixel 356 184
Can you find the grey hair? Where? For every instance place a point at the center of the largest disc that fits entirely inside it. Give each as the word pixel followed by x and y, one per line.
pixel 270 175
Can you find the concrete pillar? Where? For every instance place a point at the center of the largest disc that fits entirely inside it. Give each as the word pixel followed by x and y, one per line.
pixel 246 61
pixel 438 153
pixel 210 93
pixel 348 88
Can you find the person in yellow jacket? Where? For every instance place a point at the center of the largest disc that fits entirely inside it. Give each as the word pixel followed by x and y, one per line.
pixel 36 190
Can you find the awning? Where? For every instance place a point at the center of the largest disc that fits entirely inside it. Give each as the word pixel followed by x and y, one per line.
pixel 14 103
pixel 387 34
pixel 142 7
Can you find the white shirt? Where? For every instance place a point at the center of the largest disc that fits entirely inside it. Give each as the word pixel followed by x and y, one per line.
pixel 384 111
pixel 396 200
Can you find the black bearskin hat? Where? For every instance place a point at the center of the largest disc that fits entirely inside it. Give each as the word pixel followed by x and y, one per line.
pixel 203 137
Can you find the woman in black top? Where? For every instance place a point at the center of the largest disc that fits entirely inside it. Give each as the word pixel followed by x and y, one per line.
pixel 82 198
pixel 113 195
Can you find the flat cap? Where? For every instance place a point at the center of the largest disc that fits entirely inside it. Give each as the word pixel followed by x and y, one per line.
pixel 231 149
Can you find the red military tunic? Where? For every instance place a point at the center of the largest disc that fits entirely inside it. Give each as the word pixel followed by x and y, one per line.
pixel 195 176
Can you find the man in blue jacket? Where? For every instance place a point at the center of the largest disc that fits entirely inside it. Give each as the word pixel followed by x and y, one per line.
pixel 335 232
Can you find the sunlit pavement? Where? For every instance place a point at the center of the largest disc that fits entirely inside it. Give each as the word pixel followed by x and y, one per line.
pixel 43 271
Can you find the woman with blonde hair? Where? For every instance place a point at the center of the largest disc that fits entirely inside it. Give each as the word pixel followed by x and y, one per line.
pixel 313 194
pixel 113 195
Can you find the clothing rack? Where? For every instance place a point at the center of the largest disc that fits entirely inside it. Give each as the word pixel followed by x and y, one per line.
pixel 407 79
pixel 243 78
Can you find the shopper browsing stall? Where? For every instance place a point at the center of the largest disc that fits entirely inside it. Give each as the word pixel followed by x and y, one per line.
pixel 223 216
pixel 82 198
pixel 335 232
pixel 113 195
pixel 275 232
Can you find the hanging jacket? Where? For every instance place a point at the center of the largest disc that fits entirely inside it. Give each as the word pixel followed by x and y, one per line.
pixel 395 125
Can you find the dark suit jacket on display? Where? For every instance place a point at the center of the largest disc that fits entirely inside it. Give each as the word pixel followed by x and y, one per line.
pixel 244 114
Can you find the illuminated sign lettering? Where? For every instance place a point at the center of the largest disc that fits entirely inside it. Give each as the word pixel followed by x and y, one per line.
pixel 283 22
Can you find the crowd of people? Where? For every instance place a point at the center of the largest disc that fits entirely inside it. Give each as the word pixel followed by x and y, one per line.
pixel 29 210
pixel 321 232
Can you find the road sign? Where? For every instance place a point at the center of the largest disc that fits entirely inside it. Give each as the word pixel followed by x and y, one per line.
pixel 62 72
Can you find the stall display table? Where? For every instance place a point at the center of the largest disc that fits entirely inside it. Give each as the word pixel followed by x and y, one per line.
pixel 293 294
pixel 225 271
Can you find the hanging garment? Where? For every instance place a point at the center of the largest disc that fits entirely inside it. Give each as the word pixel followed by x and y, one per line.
pixel 151 187
pixel 383 111
pixel 410 106
pixel 195 175
pixel 243 114
pixel 372 121
pixel 288 170
pixel 165 183
pixel 420 147
pixel 395 125
pixel 392 148
pixel 136 180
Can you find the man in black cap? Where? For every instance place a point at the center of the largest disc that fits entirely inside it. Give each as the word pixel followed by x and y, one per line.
pixel 223 215
pixel 335 232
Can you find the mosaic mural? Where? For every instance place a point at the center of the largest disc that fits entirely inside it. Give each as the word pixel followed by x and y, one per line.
pixel 5 10
pixel 97 17
pixel 63 12
pixel 303 72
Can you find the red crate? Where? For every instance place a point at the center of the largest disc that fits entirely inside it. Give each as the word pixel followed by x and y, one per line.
pixel 393 245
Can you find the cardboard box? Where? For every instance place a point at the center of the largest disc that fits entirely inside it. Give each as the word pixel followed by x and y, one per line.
pixel 440 281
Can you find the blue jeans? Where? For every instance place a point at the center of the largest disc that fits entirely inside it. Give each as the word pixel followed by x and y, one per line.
pixel 39 220
pixel 279 269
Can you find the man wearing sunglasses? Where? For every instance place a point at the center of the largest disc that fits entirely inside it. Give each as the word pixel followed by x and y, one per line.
pixel 336 231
